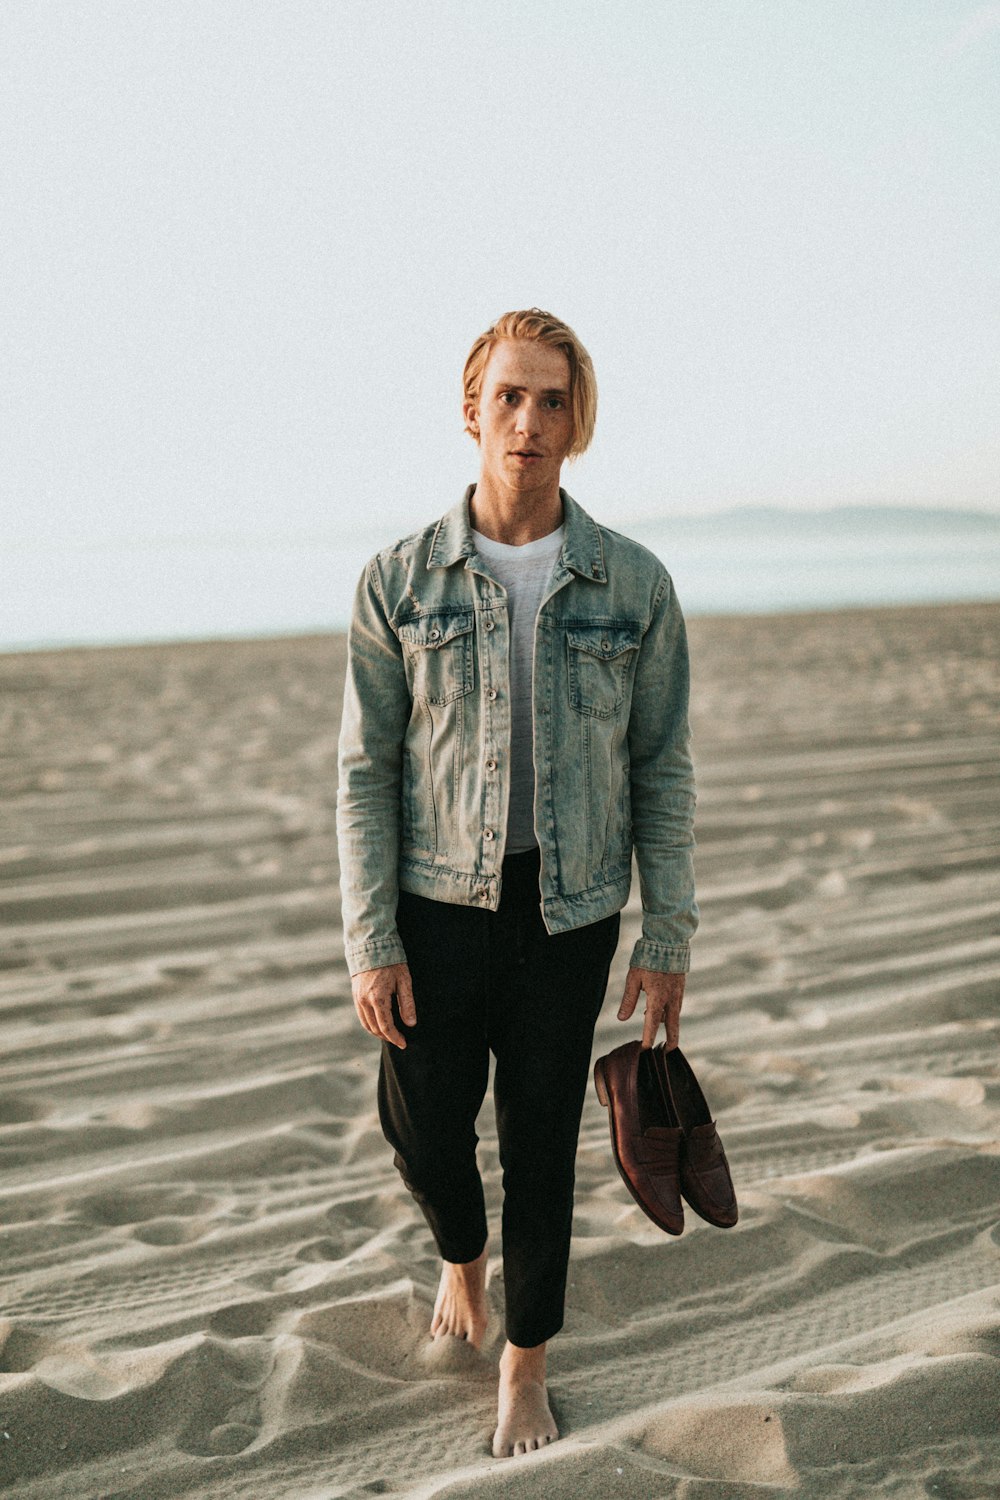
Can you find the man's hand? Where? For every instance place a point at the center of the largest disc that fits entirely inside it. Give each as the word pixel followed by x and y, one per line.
pixel 664 994
pixel 373 990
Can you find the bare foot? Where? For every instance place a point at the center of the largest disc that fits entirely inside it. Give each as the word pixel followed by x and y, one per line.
pixel 460 1310
pixel 524 1421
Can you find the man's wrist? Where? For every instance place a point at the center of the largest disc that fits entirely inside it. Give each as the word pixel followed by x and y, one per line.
pixel 380 953
pixel 662 958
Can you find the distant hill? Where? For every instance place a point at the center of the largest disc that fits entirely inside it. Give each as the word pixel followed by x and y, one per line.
pixel 765 520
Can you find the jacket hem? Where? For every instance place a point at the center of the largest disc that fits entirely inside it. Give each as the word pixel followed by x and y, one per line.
pixel 661 958
pixel 559 913
pixel 375 955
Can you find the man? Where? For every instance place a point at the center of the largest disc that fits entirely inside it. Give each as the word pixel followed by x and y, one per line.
pixel 515 722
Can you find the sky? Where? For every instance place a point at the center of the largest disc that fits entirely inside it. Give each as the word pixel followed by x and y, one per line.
pixel 248 246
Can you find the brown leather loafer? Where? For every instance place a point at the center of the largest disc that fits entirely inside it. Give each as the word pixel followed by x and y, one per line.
pixel 645 1136
pixel 705 1180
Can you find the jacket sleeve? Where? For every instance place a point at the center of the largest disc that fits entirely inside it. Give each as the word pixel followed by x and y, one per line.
pixel 662 791
pixel 376 712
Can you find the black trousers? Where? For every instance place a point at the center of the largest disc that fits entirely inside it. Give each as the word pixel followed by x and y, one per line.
pixel 497 981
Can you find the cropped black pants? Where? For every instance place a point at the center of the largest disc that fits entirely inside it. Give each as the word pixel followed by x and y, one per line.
pixel 497 981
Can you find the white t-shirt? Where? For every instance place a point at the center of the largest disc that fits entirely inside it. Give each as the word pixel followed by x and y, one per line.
pixel 524 572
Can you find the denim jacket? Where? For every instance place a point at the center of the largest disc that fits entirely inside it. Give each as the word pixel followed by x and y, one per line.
pixel 423 760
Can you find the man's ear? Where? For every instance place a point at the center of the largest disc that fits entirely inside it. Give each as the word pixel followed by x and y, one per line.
pixel 471 414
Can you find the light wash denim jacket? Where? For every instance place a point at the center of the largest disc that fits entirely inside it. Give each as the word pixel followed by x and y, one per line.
pixel 424 777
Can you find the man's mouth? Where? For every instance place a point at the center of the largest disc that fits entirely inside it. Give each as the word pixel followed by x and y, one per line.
pixel 526 453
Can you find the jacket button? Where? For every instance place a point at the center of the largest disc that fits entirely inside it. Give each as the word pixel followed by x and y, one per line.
pixel 491 765
pixel 491 624
pixel 482 894
pixel 605 645
pixel 487 834
pixel 491 693
pixel 434 634
pixel 595 568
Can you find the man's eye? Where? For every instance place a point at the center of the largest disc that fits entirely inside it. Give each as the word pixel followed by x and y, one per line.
pixel 556 402
pixel 508 396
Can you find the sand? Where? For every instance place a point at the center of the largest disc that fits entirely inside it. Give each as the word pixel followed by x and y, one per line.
pixel 213 1282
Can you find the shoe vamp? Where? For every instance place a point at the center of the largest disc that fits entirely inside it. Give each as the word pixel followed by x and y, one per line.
pixel 658 1148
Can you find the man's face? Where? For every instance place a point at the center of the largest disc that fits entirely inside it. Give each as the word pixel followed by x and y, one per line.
pixel 523 414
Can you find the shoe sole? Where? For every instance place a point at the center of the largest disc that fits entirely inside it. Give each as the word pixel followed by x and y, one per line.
pixel 601 1085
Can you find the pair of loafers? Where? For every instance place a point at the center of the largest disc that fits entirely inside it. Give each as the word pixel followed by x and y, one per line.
pixel 663 1137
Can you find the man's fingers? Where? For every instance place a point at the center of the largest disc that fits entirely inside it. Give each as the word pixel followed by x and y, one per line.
pixel 404 994
pixel 672 1017
pixel 375 1015
pixel 373 996
pixel 651 1026
pixel 384 1025
pixel 664 994
pixel 387 1024
pixel 630 996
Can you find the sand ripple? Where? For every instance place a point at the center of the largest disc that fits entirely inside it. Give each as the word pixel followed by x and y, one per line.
pixel 213 1283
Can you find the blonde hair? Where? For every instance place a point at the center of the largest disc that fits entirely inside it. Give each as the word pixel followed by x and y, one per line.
pixel 533 323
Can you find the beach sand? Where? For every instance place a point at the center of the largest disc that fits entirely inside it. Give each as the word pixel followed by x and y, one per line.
pixel 213 1282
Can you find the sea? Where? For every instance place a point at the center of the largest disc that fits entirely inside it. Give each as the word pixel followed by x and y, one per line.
pixel 746 560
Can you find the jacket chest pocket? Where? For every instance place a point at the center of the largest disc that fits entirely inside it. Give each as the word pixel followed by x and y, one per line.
pixel 439 649
pixel 600 659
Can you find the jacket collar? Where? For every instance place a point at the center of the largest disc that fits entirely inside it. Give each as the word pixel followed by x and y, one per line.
pixel 582 549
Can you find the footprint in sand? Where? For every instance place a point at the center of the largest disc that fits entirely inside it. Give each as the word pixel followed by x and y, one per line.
pixel 223 1384
pixel 231 1437
pixel 179 972
pixel 241 1320
pixel 113 1006
pixel 16 1109
pixel 170 1231
pixel 146 1207
pixel 319 1250
pixel 21 1347
pixel 454 1356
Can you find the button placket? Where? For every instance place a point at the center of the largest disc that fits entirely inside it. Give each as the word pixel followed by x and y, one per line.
pixel 493 646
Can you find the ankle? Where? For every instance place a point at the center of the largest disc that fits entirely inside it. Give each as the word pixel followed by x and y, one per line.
pixel 518 1363
pixel 471 1271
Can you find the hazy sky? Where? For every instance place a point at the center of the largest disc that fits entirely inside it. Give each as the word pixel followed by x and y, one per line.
pixel 247 247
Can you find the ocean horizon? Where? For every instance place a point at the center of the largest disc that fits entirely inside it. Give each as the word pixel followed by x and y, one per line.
pixel 744 560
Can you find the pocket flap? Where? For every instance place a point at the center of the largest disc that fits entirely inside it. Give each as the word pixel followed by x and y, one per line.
pixel 604 641
pixel 435 630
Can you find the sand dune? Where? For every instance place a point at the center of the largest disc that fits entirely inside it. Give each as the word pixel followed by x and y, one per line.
pixel 213 1283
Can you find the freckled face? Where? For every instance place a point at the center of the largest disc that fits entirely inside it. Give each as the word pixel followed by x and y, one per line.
pixel 523 416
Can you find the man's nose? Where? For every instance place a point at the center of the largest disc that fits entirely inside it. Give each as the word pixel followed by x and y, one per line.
pixel 528 417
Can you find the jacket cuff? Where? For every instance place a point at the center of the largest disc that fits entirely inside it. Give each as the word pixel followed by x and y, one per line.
pixel 674 958
pixel 378 954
